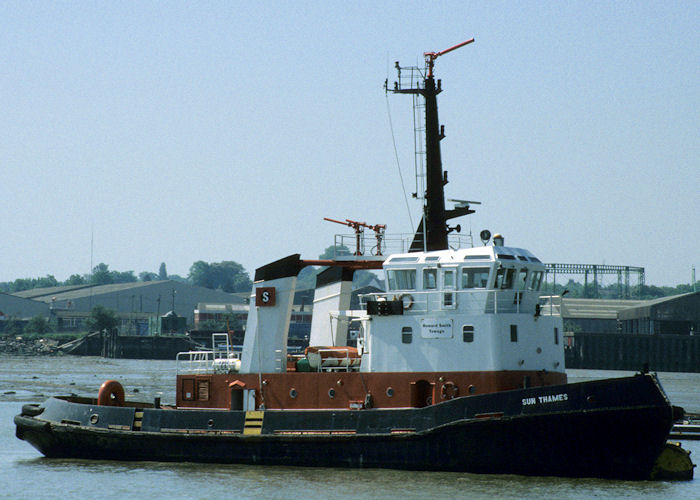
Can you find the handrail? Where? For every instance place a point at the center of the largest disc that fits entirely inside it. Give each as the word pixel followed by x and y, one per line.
pixel 221 358
pixel 470 301
pixel 391 243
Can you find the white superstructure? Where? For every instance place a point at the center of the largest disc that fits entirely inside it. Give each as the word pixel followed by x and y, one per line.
pixel 474 309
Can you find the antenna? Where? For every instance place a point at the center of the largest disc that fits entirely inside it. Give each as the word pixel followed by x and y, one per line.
pixel 431 56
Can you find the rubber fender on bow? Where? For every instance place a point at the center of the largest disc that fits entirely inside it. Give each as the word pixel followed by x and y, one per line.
pixel 111 394
pixel 31 410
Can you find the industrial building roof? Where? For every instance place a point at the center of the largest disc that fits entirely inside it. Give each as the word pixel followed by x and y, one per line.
pixel 595 308
pixel 681 307
pixel 66 293
pixel 60 293
pixel 37 293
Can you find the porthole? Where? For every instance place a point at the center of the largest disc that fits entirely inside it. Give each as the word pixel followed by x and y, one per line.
pixel 539 350
pixel 471 389
pixel 390 391
pixel 331 393
pixel 94 418
pixel 292 393
pixel 210 423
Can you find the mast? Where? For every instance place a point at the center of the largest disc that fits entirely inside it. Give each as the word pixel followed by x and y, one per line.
pixel 433 229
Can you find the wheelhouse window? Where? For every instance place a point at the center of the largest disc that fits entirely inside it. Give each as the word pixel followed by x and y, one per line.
pixel 449 279
pixel 522 279
pixel 401 279
pixel 504 278
pixel 430 279
pixel 468 333
pixel 536 280
pixel 475 277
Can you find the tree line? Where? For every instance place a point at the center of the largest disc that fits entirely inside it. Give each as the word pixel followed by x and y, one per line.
pixel 227 276
pixel 231 277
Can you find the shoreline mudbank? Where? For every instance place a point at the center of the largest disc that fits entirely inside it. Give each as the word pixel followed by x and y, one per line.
pixel 29 347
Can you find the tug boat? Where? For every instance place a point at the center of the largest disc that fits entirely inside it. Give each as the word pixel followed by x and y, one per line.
pixel 458 366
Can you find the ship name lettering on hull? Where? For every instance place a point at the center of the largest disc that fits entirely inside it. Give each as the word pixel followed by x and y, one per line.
pixel 553 398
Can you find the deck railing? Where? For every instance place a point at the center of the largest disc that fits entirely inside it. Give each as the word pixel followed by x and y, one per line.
pixel 222 358
pixel 389 244
pixel 471 301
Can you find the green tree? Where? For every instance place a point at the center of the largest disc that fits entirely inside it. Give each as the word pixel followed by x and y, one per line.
pixel 46 282
pixel 101 275
pixel 232 277
pixel 199 274
pixel 21 284
pixel 38 324
pixel 102 318
pixel 123 277
pixel 228 276
pixel 147 276
pixel 162 272
pixel 75 279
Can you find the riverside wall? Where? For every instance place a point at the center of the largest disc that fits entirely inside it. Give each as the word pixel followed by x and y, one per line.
pixel 634 352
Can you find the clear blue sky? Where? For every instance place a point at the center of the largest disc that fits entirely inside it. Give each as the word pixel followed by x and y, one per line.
pixel 184 131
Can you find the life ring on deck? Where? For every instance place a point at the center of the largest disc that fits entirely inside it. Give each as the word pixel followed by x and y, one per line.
pixel 111 394
pixel 449 390
pixel 408 303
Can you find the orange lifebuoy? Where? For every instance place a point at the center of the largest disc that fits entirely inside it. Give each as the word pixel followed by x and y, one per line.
pixel 408 302
pixel 111 394
pixel 449 390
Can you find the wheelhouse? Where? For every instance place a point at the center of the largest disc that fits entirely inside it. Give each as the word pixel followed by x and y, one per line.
pixel 461 271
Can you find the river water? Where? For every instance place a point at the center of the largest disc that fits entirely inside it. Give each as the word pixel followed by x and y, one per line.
pixel 24 473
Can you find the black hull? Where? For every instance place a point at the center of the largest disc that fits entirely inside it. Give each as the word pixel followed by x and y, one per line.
pixel 580 436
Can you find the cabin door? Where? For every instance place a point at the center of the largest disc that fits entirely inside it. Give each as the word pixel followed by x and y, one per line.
pixel 236 398
pixel 422 393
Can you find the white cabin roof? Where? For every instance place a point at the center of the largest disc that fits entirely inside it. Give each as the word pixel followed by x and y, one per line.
pixel 483 253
